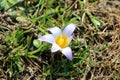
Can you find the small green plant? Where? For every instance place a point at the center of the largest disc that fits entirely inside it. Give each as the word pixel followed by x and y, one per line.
pixel 7 3
pixel 17 50
pixel 96 22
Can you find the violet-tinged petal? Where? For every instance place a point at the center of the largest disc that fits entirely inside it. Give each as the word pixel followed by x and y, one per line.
pixel 55 31
pixel 69 29
pixel 55 47
pixel 67 52
pixel 47 38
pixel 70 37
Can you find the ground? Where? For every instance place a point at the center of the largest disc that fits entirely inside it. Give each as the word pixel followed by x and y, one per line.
pixel 95 46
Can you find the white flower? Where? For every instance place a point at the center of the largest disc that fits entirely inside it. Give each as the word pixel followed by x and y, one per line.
pixel 60 39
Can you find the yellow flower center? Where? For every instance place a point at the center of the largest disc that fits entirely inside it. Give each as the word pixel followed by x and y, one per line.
pixel 61 40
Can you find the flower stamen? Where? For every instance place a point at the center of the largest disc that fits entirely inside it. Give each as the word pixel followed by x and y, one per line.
pixel 61 40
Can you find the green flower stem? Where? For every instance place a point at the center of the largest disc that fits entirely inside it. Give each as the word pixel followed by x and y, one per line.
pixel 35 51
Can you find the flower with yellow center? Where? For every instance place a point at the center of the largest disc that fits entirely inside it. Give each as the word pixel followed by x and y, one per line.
pixel 60 39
